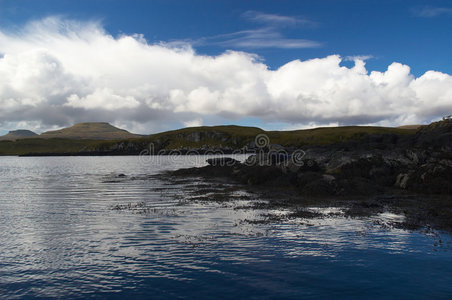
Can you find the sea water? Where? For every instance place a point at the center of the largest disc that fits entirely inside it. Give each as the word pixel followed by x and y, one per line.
pixel 107 227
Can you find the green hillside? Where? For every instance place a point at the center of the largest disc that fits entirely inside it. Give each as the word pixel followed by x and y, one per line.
pixel 93 131
pixel 329 135
pixel 236 137
pixel 232 136
pixel 85 137
pixel 240 136
pixel 39 145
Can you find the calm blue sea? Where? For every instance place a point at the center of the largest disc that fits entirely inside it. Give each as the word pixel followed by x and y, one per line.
pixel 102 227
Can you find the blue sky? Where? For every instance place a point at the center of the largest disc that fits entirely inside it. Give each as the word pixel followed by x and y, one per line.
pixel 417 33
pixel 413 33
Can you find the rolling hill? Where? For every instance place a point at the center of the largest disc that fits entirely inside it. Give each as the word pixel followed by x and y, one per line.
pixel 409 127
pixel 18 134
pixel 91 131
pixel 237 137
pixel 105 139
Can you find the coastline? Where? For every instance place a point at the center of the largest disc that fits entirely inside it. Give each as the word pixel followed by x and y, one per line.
pixel 409 177
pixel 416 210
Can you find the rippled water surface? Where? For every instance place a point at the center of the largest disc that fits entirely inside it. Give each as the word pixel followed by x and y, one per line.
pixel 76 227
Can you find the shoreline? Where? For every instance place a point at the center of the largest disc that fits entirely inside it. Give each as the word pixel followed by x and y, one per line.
pixel 409 176
pixel 419 211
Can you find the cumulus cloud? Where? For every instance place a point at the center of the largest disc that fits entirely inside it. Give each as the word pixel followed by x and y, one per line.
pixel 193 123
pixel 56 72
pixel 104 98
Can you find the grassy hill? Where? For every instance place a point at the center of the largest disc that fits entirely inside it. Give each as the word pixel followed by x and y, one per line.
pixel 236 137
pixel 73 139
pixel 195 137
pixel 330 135
pixel 18 134
pixel 93 131
pixel 85 137
pixel 39 145
pixel 240 136
pixel 410 127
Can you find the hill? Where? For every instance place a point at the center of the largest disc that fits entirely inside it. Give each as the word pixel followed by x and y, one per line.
pixel 240 136
pixel 409 127
pixel 43 146
pixel 229 138
pixel 18 134
pixel 92 131
pixel 104 139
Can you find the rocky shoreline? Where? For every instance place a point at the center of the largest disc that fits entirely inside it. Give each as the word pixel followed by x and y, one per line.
pixel 420 164
pixel 410 175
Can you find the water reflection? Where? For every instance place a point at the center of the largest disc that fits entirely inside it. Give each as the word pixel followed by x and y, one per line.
pixel 76 227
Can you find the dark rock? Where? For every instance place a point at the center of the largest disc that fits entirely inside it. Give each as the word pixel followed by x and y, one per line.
pixel 255 175
pixel 437 136
pixel 374 164
pixel 305 178
pixel 276 158
pixel 319 187
pixel 357 187
pixel 267 158
pixel 222 161
pixel 431 178
pixel 308 165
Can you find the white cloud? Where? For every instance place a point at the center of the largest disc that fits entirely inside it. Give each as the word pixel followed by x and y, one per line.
pixel 102 99
pixel 309 125
pixel 193 123
pixel 430 12
pixel 268 37
pixel 57 72
pixel 359 57
pixel 276 20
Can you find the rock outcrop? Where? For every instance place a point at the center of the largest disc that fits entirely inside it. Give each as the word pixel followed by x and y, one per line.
pixel 375 164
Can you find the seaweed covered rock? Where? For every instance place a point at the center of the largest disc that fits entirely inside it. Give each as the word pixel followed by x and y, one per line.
pixel 316 184
pixel 431 178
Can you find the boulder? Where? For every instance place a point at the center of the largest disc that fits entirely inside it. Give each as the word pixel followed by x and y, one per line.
pixel 222 161
pixel 323 185
pixel 267 159
pixel 402 180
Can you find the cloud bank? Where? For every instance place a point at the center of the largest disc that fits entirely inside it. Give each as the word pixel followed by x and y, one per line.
pixel 56 72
